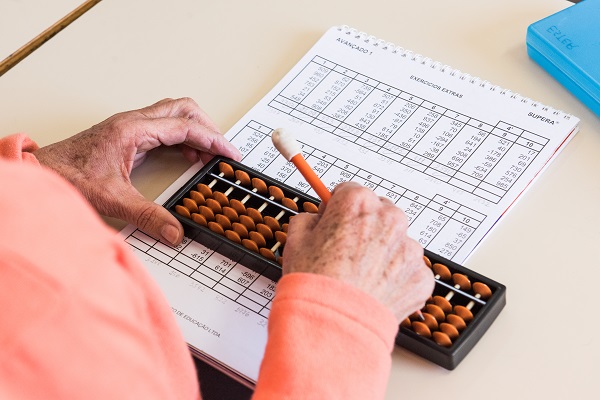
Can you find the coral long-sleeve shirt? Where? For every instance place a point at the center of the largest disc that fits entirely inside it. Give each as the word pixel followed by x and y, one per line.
pixel 81 318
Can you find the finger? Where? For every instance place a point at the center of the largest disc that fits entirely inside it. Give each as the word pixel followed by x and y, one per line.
pixel 183 108
pixel 171 131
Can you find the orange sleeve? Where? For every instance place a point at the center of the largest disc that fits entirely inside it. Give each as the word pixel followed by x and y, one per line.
pixel 18 147
pixel 327 340
pixel 81 317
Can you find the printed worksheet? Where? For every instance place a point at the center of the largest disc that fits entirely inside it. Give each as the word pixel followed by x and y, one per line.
pixel 454 152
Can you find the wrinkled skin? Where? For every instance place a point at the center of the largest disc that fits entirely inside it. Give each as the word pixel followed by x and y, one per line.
pixel 99 160
pixel 361 239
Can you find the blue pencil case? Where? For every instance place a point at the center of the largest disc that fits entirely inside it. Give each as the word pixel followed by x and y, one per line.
pixel 567 45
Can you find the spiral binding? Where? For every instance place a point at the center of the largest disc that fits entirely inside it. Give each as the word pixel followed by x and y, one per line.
pixel 443 68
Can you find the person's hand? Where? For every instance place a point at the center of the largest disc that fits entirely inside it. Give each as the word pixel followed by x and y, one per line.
pixel 361 239
pixel 99 160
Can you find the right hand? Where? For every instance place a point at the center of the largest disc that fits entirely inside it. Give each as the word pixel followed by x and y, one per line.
pixel 361 239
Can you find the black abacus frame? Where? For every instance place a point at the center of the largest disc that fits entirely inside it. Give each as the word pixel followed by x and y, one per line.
pixel 488 310
pixel 213 240
pixel 447 357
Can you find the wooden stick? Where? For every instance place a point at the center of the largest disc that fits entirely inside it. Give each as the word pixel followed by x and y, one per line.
pixel 43 37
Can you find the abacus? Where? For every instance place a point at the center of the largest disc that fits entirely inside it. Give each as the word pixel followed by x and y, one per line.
pixel 243 214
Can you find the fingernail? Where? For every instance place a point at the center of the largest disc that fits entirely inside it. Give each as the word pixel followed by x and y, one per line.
pixel 170 234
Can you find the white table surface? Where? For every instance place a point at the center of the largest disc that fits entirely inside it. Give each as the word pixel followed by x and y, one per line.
pixel 228 54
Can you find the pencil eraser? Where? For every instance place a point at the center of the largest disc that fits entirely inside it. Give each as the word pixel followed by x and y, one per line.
pixel 285 143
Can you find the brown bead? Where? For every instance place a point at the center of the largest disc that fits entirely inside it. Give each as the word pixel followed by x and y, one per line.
pixel 183 211
pixel 226 170
pixel 240 229
pixel 276 193
pixel 405 323
pixel 464 313
pixel 289 203
pixel 250 245
pixel 443 304
pixel 442 271
pixel 430 321
pixel 436 311
pixel 207 213
pixel 266 253
pixel 221 198
pixel 427 261
pixel 456 321
pixel 272 223
pixel 442 339
pixel 281 237
pixel 258 238
pixel 204 190
pixel 231 214
pixel 214 206
pixel 223 221
pixel 482 290
pixel 421 329
pixel 284 227
pixel 449 330
pixel 243 177
pixel 247 222
pixel 233 236
pixel 254 214
pixel 461 281
pixel 190 205
pixel 265 231
pixel 215 227
pixel 260 186
pixel 237 206
pixel 197 197
pixel 199 219
pixel 309 207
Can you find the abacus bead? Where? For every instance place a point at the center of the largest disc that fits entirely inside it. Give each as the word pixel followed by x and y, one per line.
pixel 243 177
pixel 221 198
pixel 421 329
pixel 462 281
pixel 266 253
pixel 276 193
pixel 272 223
pixel 183 211
pixel 427 261
pixel 442 339
pixel 310 207
pixel 207 213
pixel 464 313
pixel 226 170
pixel 405 323
pixel 289 203
pixel 197 197
pixel 430 321
pixel 240 229
pixel 237 206
pixel 215 227
pixel 259 185
pixel 258 239
pixel 250 245
pixel 442 271
pixel 482 290
pixel 443 304
pixel 436 311
pixel 265 231
pixel 223 221
pixel 199 219
pixel 281 237
pixel 204 190
pixel 231 214
pixel 456 321
pixel 190 204
pixel 449 330
pixel 247 222
pixel 233 236
pixel 214 205
pixel 284 227
pixel 255 214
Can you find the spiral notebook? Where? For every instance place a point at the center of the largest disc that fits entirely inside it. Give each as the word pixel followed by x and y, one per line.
pixel 454 152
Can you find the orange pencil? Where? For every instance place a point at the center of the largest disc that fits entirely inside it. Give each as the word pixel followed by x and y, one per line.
pixel 290 149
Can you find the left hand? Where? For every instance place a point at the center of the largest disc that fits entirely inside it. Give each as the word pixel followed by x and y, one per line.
pixel 99 160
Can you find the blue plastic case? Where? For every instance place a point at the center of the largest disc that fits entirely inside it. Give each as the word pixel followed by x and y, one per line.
pixel 567 45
